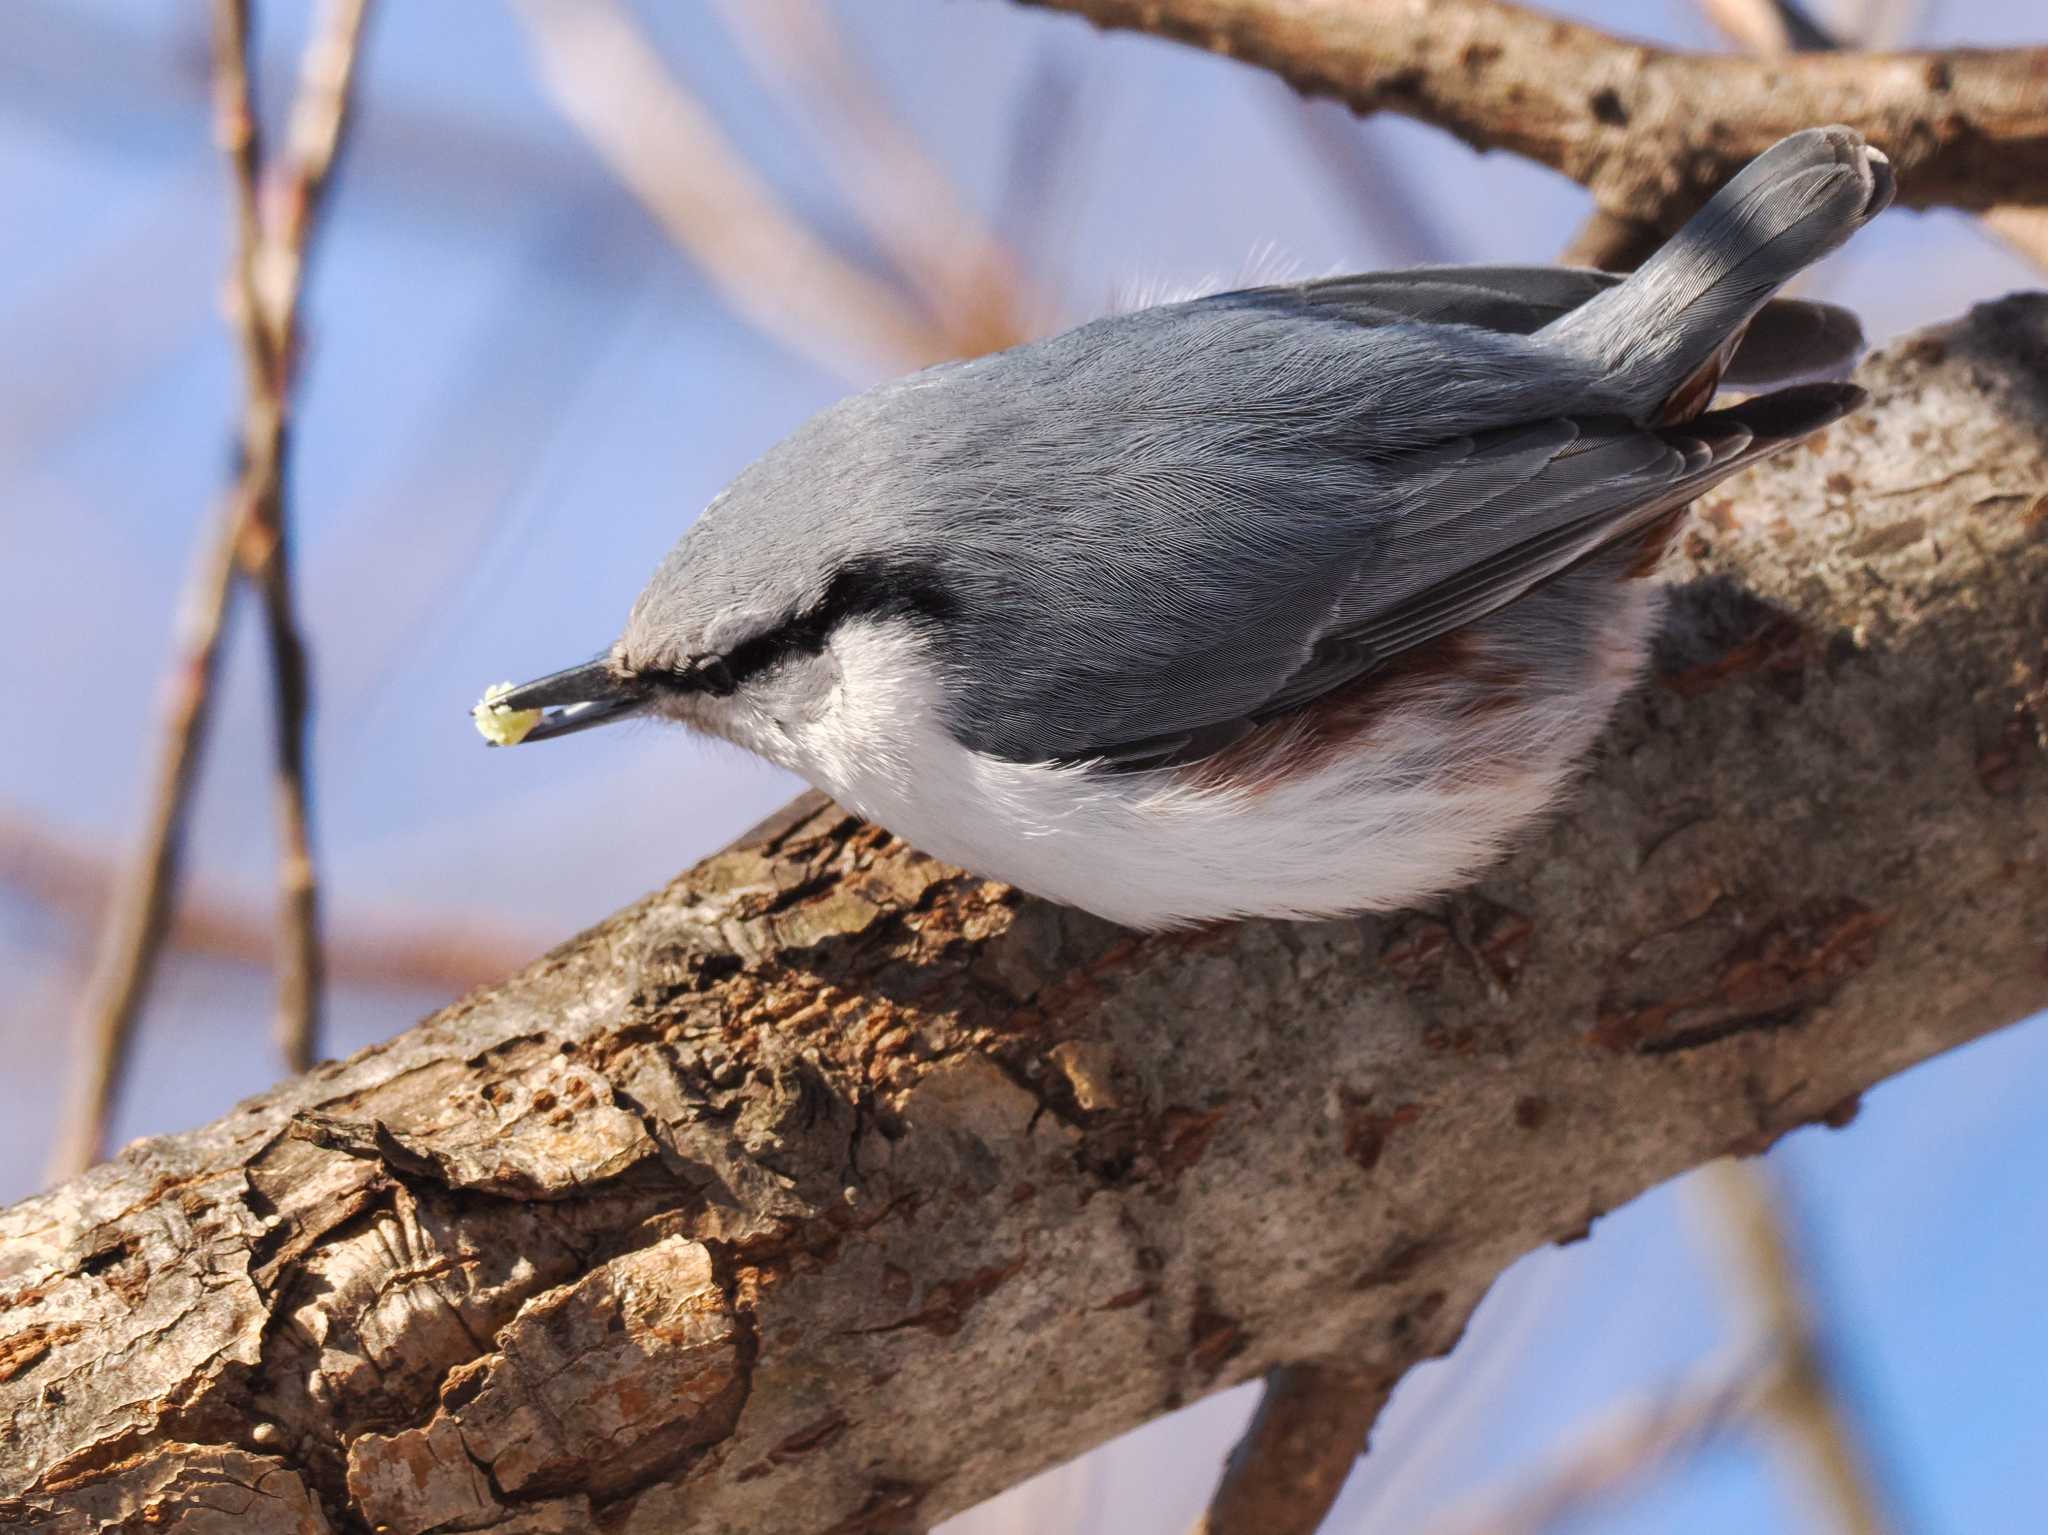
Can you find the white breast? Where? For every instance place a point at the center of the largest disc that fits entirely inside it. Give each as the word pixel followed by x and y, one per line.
pixel 1426 801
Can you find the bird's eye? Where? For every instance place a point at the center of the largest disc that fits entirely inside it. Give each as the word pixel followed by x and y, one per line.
pixel 714 676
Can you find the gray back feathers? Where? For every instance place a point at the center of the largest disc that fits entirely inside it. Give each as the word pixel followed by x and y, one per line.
pixel 1133 539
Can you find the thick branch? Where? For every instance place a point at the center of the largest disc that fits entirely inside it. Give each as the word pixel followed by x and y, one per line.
pixel 832 1190
pixel 1648 131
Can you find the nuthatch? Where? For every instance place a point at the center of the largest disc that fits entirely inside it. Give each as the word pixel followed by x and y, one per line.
pixel 1290 601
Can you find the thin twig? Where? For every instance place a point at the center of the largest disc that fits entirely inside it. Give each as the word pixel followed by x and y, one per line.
pixel 261 546
pixel 1619 1448
pixel 1285 1473
pixel 607 79
pixel 913 211
pixel 269 264
pixel 248 531
pixel 1800 1401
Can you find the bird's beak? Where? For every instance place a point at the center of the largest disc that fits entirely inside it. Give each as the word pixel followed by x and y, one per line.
pixel 595 693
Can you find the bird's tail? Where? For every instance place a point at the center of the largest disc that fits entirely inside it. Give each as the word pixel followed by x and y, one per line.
pixel 1668 324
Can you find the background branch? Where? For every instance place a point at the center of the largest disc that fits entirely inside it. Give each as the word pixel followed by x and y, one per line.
pixel 250 530
pixel 1803 1415
pixel 607 79
pixel 913 211
pixel 833 1190
pixel 75 882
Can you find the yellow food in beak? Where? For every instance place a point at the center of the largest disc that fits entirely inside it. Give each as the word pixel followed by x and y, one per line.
pixel 499 725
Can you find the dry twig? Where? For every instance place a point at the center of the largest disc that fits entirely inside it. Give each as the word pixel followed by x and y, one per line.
pixel 607 78
pixel 249 531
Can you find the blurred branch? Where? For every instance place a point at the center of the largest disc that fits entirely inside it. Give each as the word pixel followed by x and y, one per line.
pixel 607 79
pixel 1799 1403
pixel 914 212
pixel 249 532
pixel 1649 131
pixel 1774 1380
pixel 1376 193
pixel 1619 1448
pixel 1042 138
pixel 1285 1473
pixel 74 882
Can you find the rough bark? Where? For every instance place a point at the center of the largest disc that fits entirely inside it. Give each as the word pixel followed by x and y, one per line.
pixel 830 1189
pixel 1650 132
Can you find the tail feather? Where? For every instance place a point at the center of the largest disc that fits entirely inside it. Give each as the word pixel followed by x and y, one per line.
pixel 1668 321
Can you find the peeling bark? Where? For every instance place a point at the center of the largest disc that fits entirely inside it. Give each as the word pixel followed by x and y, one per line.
pixel 830 1189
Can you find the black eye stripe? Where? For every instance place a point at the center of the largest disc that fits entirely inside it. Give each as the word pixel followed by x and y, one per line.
pixel 905 587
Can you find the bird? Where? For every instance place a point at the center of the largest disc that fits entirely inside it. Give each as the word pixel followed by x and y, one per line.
pixel 1296 601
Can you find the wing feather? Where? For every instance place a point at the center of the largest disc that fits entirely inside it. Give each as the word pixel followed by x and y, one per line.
pixel 1518 506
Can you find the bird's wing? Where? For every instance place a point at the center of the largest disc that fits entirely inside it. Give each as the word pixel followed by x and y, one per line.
pixel 1789 340
pixel 1496 515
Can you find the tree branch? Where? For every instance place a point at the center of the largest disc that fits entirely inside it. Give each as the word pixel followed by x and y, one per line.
pixel 1650 132
pixel 832 1190
pixel 250 532
pixel 606 77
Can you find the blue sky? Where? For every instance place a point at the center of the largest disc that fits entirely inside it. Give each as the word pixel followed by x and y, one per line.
pixel 517 395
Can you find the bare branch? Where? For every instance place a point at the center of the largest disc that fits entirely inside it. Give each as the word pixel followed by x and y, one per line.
pixel 608 80
pixel 832 1189
pixel 1648 131
pixel 250 532
pixel 1287 1470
